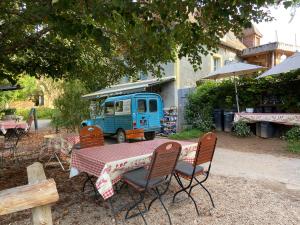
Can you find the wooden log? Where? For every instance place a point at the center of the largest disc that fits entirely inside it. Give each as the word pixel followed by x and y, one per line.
pixel 41 215
pixel 28 196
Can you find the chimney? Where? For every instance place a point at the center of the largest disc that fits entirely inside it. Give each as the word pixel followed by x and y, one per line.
pixel 251 36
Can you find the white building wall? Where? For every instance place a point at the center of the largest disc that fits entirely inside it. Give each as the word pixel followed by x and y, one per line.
pixel 188 77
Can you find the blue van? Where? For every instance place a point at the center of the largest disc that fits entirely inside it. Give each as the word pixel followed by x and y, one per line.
pixel 128 112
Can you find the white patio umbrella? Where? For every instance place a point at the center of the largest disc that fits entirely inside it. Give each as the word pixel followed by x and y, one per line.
pixel 291 63
pixel 234 69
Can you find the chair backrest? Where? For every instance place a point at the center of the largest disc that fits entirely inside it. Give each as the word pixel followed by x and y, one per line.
pixel 164 160
pixel 206 148
pixel 91 136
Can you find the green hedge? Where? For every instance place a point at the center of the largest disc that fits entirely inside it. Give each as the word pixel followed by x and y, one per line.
pixel 42 113
pixel 210 95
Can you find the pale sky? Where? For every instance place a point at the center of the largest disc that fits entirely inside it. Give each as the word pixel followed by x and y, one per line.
pixel 286 31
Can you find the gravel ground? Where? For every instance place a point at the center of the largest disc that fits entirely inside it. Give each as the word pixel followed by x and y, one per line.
pixel 237 200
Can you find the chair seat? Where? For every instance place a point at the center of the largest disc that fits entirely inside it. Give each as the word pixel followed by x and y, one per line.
pixel 138 177
pixel 186 169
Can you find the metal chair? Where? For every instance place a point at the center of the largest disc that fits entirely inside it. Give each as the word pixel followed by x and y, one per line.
pixel 10 144
pixel 2 149
pixel 54 155
pixel 160 173
pixel 90 136
pixel 204 154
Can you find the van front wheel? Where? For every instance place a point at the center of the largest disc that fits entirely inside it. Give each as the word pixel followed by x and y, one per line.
pixel 149 135
pixel 121 136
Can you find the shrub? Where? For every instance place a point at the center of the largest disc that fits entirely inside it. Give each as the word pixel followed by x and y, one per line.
pixel 292 137
pixel 9 111
pixel 241 129
pixel 283 90
pixel 71 108
pixel 293 134
pixel 203 120
pixel 198 111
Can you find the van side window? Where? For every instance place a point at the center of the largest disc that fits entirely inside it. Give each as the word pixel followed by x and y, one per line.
pixel 153 105
pixel 109 108
pixel 123 107
pixel 119 106
pixel 142 105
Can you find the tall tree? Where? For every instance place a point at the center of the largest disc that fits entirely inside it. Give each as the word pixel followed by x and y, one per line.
pixel 98 41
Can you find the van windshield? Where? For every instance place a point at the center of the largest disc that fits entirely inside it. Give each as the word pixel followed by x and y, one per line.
pixel 109 108
pixel 94 109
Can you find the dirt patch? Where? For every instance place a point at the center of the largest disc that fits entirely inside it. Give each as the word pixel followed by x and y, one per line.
pixel 274 146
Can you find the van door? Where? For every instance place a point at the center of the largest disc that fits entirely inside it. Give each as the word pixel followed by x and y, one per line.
pixel 123 118
pixel 142 120
pixel 154 114
pixel 109 118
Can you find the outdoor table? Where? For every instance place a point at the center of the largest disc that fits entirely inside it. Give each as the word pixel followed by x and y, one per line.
pixel 62 143
pixel 281 118
pixel 109 162
pixel 59 144
pixel 5 125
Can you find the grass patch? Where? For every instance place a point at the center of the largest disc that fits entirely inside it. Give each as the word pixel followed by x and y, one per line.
pixel 186 134
pixel 294 146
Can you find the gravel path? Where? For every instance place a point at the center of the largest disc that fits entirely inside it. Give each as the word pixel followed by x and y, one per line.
pixel 238 201
pixel 248 188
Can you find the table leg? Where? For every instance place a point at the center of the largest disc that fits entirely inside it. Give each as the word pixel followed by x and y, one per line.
pixel 60 163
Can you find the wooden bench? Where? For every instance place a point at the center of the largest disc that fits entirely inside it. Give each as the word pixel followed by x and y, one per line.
pixel 133 134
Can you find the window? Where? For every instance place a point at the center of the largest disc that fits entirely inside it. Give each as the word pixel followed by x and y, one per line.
pixel 153 105
pixel 109 108
pixel 119 106
pixel 216 63
pixel 123 107
pixel 142 105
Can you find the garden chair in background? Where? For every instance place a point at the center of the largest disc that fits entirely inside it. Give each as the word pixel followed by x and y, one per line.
pixel 29 122
pixel 10 144
pixel 160 172
pixel 90 136
pixel 204 154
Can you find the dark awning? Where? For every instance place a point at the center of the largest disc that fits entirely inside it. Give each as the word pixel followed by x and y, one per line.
pixel 127 88
pixel 10 88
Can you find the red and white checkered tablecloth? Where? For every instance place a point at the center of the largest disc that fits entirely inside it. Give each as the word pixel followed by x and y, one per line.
pixel 11 124
pixel 109 162
pixel 281 118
